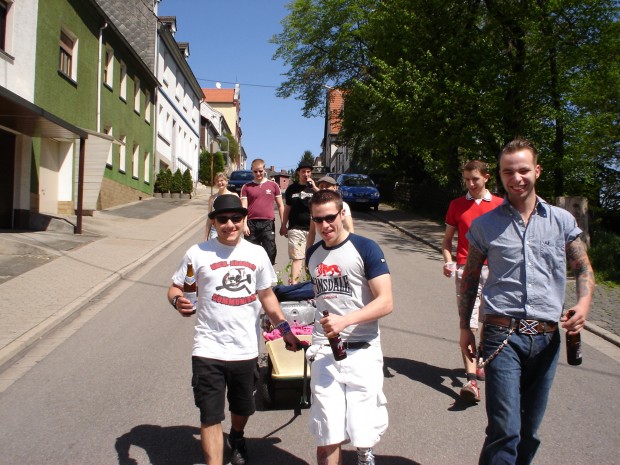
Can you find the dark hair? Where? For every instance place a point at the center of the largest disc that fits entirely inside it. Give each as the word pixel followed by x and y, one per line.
pixel 517 144
pixel 326 196
pixel 473 165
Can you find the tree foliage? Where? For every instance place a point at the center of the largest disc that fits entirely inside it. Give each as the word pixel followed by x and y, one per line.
pixel 430 84
pixel 204 170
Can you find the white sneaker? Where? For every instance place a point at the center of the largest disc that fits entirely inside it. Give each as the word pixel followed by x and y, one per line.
pixel 365 456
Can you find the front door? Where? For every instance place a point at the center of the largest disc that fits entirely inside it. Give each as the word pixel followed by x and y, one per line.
pixel 7 178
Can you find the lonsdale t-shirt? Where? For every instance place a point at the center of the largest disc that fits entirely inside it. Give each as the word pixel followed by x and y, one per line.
pixel 227 310
pixel 340 276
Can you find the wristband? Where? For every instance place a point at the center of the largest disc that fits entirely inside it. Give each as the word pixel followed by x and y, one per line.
pixel 284 327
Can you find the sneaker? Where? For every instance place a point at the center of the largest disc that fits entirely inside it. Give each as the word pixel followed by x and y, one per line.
pixel 470 392
pixel 239 454
pixel 365 456
pixel 480 373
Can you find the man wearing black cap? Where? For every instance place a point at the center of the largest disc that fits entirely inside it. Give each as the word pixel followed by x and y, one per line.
pixel 296 219
pixel 234 279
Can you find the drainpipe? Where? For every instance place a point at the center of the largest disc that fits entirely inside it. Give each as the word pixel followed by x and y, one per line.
pixel 99 77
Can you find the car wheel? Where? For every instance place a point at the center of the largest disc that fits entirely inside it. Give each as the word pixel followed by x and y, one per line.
pixel 376 207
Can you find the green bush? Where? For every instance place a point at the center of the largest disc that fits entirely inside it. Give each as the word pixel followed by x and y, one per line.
pixel 163 180
pixel 188 182
pixel 605 256
pixel 177 182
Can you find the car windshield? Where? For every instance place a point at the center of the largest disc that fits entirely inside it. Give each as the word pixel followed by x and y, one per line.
pixel 242 176
pixel 357 181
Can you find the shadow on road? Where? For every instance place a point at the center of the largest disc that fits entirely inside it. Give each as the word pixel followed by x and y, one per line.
pixel 431 376
pixel 180 445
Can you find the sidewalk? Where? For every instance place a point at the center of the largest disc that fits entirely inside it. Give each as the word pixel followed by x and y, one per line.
pixel 36 301
pixel 116 242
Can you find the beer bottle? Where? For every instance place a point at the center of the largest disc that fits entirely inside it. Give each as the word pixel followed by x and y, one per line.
pixel 189 286
pixel 340 353
pixel 573 346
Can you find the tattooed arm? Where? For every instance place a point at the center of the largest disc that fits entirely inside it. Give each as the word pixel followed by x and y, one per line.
pixel 469 285
pixel 467 298
pixel 580 264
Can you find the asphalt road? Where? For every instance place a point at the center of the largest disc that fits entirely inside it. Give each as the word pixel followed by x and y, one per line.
pixel 113 386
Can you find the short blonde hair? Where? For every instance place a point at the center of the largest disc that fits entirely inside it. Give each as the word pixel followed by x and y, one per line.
pixel 219 175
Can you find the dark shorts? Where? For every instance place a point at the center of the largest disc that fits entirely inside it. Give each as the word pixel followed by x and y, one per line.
pixel 211 378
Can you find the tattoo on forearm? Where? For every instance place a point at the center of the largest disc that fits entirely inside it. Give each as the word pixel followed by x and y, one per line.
pixel 580 264
pixel 469 285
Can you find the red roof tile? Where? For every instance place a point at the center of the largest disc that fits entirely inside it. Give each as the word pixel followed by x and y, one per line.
pixel 219 95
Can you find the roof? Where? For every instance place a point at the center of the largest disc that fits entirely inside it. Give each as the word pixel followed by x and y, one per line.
pixel 219 95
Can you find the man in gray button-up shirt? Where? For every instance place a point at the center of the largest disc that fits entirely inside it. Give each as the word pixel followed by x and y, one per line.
pixel 527 243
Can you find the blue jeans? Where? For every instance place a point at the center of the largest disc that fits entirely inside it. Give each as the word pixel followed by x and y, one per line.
pixel 517 387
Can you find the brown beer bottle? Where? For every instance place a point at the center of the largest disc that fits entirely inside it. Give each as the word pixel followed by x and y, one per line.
pixel 573 346
pixel 189 286
pixel 340 353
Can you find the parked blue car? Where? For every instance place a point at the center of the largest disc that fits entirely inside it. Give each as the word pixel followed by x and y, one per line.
pixel 238 179
pixel 358 189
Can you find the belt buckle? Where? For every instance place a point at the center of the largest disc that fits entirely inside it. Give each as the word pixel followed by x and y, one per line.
pixel 528 326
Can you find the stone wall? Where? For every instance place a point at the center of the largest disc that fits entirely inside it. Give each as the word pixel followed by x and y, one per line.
pixel 112 194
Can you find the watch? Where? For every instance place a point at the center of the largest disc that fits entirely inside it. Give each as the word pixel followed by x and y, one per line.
pixel 174 301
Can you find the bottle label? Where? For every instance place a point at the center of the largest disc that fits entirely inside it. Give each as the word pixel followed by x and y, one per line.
pixel 190 280
pixel 191 296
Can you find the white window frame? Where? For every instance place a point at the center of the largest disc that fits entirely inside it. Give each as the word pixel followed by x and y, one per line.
pixel 136 95
pixel 108 70
pixel 68 54
pixel 147 106
pixel 135 159
pixel 5 26
pixel 122 154
pixel 123 84
pixel 110 161
pixel 147 172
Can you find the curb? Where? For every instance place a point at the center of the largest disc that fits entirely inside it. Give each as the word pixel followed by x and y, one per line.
pixel 15 348
pixel 591 327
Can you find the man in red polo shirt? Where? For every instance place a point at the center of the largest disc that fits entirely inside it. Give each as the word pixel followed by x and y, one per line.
pixel 258 197
pixel 461 212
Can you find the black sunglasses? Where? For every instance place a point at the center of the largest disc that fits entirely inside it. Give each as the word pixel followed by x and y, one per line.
pixel 329 218
pixel 223 219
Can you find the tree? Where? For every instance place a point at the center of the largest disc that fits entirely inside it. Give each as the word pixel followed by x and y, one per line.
pixel 322 42
pixel 188 183
pixel 177 182
pixel 163 180
pixel 204 170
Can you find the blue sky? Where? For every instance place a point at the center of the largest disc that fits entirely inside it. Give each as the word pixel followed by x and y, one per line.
pixel 228 43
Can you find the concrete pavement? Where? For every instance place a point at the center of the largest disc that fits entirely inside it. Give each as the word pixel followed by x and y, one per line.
pixel 37 296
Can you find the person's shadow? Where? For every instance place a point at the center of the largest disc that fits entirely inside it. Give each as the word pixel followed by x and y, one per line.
pixel 431 376
pixel 350 456
pixel 180 445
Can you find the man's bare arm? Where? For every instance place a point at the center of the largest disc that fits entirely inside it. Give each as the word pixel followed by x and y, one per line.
pixel 469 285
pixel 584 276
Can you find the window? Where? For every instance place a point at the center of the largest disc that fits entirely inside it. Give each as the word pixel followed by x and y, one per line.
pixel 68 55
pixel 122 155
pixel 108 130
pixel 147 106
pixel 147 162
pixel 108 70
pixel 123 89
pixel 4 12
pixel 136 95
pixel 135 157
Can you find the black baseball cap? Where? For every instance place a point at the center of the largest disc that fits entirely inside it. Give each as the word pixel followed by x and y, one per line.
pixel 227 203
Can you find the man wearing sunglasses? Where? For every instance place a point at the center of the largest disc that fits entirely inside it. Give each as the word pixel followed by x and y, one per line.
pixel 258 197
pixel 352 283
pixel 234 279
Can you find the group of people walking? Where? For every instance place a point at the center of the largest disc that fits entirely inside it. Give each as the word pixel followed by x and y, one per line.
pixel 510 268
